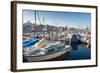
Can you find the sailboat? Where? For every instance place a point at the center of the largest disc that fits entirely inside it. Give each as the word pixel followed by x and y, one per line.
pixel 44 50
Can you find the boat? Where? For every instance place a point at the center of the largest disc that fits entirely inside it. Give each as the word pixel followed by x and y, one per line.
pixel 29 42
pixel 76 39
pixel 50 51
pixel 43 49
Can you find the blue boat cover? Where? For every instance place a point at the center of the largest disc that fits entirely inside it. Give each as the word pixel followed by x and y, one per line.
pixel 76 39
pixel 29 42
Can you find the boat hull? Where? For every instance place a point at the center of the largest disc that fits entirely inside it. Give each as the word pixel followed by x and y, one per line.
pixel 46 57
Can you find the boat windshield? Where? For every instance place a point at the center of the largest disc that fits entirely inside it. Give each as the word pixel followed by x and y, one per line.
pixel 47 50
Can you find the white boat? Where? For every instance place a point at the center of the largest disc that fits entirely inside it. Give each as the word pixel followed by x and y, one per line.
pixel 44 50
pixel 50 51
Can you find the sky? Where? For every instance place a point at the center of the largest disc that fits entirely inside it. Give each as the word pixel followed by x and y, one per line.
pixel 70 19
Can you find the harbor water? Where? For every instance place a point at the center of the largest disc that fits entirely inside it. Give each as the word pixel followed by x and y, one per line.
pixel 78 53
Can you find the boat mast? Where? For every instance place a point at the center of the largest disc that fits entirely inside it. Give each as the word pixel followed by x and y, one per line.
pixel 35 16
pixel 38 17
pixel 34 24
pixel 43 20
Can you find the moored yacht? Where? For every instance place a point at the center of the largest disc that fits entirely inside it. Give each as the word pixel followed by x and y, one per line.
pixel 48 52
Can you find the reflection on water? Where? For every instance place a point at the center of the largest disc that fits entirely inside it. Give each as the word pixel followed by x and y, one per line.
pixel 74 46
pixel 78 52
